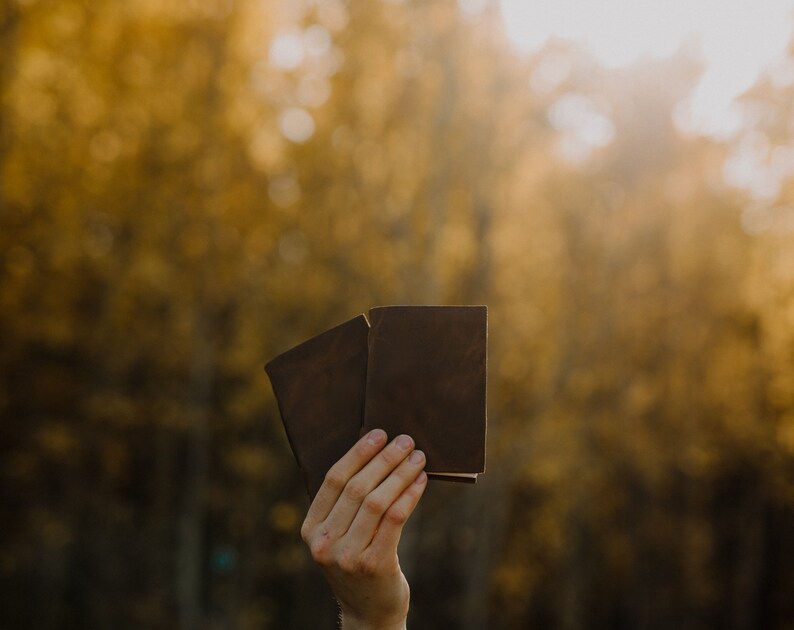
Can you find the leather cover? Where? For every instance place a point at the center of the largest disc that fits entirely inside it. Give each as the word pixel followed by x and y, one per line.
pixel 426 376
pixel 319 386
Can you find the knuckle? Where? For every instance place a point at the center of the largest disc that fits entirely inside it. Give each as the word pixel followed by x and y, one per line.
pixel 306 532
pixel 320 550
pixel 406 472
pixel 347 563
pixel 355 490
pixel 396 515
pixel 363 449
pixel 392 455
pixel 373 505
pixel 334 480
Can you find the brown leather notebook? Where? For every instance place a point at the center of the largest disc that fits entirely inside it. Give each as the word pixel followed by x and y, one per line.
pixel 426 376
pixel 319 386
pixel 419 370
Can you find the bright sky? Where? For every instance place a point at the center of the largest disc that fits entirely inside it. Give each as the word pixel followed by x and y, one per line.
pixel 737 39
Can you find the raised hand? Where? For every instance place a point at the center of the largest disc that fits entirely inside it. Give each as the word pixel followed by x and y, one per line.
pixel 355 522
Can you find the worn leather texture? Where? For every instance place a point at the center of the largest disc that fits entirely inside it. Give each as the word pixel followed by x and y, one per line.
pixel 319 386
pixel 426 376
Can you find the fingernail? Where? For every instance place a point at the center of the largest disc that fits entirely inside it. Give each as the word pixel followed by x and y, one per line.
pixel 404 442
pixel 421 478
pixel 376 436
pixel 417 457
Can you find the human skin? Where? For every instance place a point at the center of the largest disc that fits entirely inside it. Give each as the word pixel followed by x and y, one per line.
pixel 355 522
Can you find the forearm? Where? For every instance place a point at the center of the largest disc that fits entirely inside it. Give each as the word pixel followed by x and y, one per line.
pixel 378 617
pixel 349 623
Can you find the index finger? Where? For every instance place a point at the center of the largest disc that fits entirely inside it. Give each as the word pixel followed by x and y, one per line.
pixel 341 472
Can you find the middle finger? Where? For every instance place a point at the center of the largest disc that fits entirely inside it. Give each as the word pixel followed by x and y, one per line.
pixel 364 482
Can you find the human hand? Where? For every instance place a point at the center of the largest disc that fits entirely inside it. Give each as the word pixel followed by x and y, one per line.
pixel 355 522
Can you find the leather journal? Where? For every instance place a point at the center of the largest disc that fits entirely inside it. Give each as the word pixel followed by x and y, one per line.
pixel 319 386
pixel 426 376
pixel 419 370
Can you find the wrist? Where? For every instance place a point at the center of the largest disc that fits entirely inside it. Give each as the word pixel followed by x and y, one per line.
pixel 355 624
pixel 352 622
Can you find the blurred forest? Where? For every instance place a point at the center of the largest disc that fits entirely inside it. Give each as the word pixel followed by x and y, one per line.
pixel 189 188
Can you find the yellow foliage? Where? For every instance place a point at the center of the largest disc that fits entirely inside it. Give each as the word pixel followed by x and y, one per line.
pixel 190 188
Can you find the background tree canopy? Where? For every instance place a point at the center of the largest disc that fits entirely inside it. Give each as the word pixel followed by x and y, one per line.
pixel 189 188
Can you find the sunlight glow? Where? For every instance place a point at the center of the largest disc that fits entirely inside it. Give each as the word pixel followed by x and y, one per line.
pixel 736 40
pixel 584 125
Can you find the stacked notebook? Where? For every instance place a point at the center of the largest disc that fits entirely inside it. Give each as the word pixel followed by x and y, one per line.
pixel 419 370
